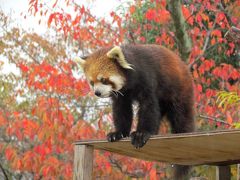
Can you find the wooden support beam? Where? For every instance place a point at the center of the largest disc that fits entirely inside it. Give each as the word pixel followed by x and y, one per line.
pixel 238 171
pixel 223 173
pixel 83 162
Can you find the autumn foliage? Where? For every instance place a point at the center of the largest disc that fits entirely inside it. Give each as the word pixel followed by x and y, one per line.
pixel 48 105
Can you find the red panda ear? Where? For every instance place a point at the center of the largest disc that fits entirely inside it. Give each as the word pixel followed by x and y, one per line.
pixel 116 53
pixel 80 62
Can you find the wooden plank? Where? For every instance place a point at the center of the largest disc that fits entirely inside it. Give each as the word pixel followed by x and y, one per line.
pixel 218 147
pixel 223 173
pixel 167 136
pixel 83 162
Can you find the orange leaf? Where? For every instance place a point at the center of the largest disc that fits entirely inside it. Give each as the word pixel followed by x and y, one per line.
pixel 153 174
pixel 29 128
pixel 229 117
pixel 195 74
pixel 132 9
pixel 3 121
pixel 19 164
pixel 46 170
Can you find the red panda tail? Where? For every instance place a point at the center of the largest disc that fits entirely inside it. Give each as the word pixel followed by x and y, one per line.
pixel 181 172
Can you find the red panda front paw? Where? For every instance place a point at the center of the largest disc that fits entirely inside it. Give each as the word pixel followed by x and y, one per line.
pixel 115 136
pixel 139 139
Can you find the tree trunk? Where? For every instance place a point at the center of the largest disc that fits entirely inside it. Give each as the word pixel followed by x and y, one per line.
pixel 183 39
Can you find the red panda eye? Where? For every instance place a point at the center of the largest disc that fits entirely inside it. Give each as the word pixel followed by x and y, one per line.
pixel 104 81
pixel 91 83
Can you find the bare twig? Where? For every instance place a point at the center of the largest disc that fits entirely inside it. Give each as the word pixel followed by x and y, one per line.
pixel 208 36
pixel 233 33
pixel 118 166
pixel 131 37
pixel 214 119
pixel 4 172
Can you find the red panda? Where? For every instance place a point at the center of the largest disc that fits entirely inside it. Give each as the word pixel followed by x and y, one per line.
pixel 153 76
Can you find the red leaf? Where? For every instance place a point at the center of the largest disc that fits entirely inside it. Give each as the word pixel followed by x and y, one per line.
pixel 112 14
pixel 218 124
pixel 186 12
pixel 199 88
pixel 143 39
pixel 217 33
pixel 50 19
pixel 235 74
pixel 151 14
pixel 220 17
pixel 210 93
pixel 198 18
pixel 82 10
pixel 23 67
pixel 10 153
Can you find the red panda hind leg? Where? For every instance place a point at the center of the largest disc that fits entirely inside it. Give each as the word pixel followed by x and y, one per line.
pixel 181 117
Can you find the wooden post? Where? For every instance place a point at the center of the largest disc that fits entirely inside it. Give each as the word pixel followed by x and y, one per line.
pixel 238 171
pixel 223 173
pixel 83 162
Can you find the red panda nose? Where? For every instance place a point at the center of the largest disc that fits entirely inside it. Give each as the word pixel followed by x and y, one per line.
pixel 97 93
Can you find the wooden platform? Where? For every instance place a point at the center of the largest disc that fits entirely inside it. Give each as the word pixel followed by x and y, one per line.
pixel 218 147
pixel 213 148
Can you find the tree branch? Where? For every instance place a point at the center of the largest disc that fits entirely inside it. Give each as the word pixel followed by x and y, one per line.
pixel 183 39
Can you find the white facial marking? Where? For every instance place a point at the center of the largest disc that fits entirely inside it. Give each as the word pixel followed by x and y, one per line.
pixel 99 77
pixel 105 90
pixel 119 81
pixel 90 78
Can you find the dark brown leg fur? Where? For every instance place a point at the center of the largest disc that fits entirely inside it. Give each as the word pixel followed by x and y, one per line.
pixel 182 121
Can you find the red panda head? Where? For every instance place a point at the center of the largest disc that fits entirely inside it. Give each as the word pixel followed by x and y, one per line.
pixel 103 71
